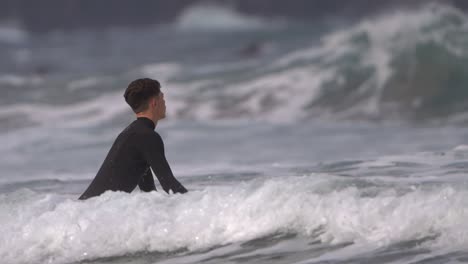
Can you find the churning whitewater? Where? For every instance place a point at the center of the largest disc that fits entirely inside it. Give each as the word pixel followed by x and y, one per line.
pixel 332 209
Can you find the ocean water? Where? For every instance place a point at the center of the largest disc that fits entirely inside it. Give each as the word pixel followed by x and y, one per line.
pixel 330 142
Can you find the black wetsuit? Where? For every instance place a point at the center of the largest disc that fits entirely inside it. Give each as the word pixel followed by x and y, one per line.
pixel 136 149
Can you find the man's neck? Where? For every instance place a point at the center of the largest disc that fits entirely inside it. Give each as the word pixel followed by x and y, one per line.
pixel 149 116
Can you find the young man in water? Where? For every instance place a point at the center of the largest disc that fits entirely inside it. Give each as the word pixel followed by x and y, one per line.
pixel 137 148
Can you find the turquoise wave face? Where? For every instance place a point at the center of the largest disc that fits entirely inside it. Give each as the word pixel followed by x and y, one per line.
pixel 406 65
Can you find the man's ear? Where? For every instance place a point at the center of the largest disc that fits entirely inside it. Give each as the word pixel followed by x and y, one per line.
pixel 153 101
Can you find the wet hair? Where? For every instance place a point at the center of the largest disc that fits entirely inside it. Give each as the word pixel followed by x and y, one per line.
pixel 139 92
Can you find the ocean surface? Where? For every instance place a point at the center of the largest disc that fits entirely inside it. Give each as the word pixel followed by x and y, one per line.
pixel 332 142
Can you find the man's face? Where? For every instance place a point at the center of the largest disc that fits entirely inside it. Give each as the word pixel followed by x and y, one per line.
pixel 160 106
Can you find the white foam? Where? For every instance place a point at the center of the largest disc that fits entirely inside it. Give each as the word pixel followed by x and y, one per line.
pixel 422 158
pixel 47 228
pixel 159 71
pixel 461 148
pixel 210 17
pixel 277 96
pixel 18 80
pixel 79 114
pixel 12 32
pixel 85 83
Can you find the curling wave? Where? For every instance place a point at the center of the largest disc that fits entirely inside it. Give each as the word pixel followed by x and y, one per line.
pixel 401 65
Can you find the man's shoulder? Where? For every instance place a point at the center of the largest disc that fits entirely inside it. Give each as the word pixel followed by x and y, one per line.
pixel 137 128
pixel 138 131
pixel 145 134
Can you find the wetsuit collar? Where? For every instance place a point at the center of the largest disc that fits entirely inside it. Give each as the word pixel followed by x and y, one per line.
pixel 148 122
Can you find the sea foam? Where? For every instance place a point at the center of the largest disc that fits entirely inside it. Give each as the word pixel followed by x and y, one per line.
pixel 52 228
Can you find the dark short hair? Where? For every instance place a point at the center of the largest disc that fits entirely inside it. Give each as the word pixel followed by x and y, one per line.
pixel 139 92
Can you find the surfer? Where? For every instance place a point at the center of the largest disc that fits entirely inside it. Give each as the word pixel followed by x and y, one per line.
pixel 138 148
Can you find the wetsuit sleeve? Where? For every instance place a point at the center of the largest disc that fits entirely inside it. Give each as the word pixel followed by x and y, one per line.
pixel 146 182
pixel 153 152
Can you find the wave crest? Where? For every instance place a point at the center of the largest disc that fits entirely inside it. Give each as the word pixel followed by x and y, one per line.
pixel 403 65
pixel 210 17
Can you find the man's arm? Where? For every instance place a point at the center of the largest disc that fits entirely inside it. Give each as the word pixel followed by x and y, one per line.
pixel 146 182
pixel 153 151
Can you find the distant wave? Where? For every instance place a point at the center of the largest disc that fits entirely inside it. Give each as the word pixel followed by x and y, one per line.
pixel 211 17
pixel 17 80
pixel 90 110
pixel 10 32
pixel 79 114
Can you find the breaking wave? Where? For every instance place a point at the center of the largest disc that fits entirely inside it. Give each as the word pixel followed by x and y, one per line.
pixel 405 65
pixel 401 65
pixel 53 229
